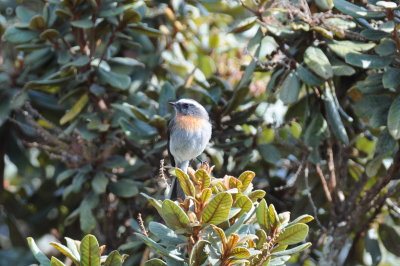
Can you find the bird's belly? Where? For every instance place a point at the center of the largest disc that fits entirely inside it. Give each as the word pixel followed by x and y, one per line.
pixel 186 145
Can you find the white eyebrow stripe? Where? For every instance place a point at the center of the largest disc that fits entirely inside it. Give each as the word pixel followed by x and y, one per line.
pixel 190 101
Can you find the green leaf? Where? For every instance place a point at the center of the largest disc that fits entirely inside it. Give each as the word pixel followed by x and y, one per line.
pixel 198 255
pixel 390 239
pixel 324 5
pixel 127 61
pixel 159 249
pixel 137 130
pixel 244 203
pixel 245 24
pixel 66 251
pixel 37 23
pixel 394 119
pixel 368 61
pixel 155 262
pixel 221 235
pixel 333 117
pixel 185 182
pixel 56 262
pixel 99 183
pixel 49 34
pixel 292 251
pixel 317 61
pixel 241 253
pixel 293 234
pixel 290 88
pixel 386 4
pixel 155 203
pixel 15 35
pixel 386 47
pixel 373 166
pixel 37 253
pixel 143 29
pixel 203 179
pixel 167 236
pixel 24 14
pixel 273 217
pixel 86 219
pixel 305 218
pixel 114 259
pixel 75 110
pixel 246 178
pixel 113 79
pixel 374 35
pixel 262 215
pixel 206 195
pixel 90 251
pixel 166 95
pixel 73 246
pixel 269 153
pixel 174 216
pixel 82 23
pixel 257 194
pixel 65 175
pixel 342 69
pixel 308 77
pixel 131 16
pixel 342 48
pixel 356 11
pixel 217 210
pixel 112 11
pixel 391 78
pixel 124 188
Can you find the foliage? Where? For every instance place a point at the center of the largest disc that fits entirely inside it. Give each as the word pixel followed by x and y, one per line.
pixel 304 93
pixel 85 252
pixel 221 222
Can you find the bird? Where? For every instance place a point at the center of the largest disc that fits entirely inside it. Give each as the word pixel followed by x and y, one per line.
pixel 189 132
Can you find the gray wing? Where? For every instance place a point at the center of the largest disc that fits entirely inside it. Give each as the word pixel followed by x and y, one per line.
pixel 171 157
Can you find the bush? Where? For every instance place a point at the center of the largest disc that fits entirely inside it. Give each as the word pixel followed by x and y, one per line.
pixel 85 252
pixel 304 93
pixel 221 222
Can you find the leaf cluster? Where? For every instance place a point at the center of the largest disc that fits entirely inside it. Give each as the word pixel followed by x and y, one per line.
pixel 222 222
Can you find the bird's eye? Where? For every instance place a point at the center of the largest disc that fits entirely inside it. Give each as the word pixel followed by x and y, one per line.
pixel 185 105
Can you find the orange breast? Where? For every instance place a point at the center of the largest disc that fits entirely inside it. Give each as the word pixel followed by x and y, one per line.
pixel 188 122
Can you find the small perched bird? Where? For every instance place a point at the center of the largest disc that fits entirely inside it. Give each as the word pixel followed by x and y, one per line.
pixel 189 131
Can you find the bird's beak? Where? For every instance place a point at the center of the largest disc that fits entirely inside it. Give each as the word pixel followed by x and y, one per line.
pixel 172 103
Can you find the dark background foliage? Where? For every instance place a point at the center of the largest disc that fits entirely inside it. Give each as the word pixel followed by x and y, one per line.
pixel 303 93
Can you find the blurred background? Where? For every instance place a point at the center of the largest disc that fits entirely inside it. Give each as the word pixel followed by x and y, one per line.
pixel 303 93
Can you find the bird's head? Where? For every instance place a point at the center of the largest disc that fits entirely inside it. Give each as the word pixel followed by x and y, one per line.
pixel 190 107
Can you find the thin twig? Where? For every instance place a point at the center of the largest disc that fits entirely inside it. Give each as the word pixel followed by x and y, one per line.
pixel 141 224
pixel 315 211
pixel 331 167
pixel 324 184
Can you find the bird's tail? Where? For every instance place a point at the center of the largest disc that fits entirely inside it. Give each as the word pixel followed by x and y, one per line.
pixel 176 190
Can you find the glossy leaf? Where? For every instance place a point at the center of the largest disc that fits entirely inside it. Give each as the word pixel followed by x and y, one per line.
pixel 198 255
pixel 174 216
pixel 39 255
pixel 290 88
pixel 75 110
pixel 185 182
pixel 293 234
pixel 367 61
pixel 114 259
pixel 90 251
pixel 393 119
pixel 317 61
pixel 124 188
pixel 217 210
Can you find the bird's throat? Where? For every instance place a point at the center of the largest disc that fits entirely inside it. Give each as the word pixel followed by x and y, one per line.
pixel 188 122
